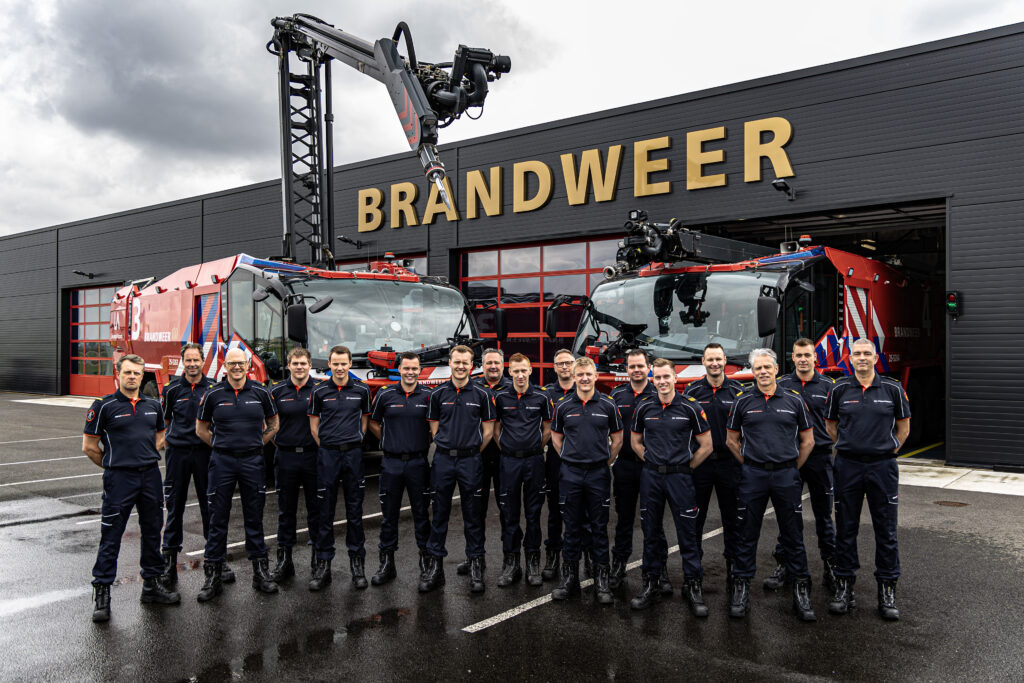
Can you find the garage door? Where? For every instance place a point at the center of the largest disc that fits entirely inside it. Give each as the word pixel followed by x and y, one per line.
pixel 90 353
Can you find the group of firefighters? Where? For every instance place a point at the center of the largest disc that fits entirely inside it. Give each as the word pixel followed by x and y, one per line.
pixel 646 444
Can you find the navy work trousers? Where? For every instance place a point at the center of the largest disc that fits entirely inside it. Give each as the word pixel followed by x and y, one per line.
pixel 248 472
pixel 584 495
pixel 817 474
pixel 522 486
pixel 184 464
pixel 123 490
pixel 467 472
pixel 413 476
pixel 342 469
pixel 626 475
pixel 878 482
pixel 491 479
pixel 552 471
pixel 721 475
pixel 292 471
pixel 785 488
pixel 678 490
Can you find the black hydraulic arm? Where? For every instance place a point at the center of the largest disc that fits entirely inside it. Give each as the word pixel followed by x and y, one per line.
pixel 426 97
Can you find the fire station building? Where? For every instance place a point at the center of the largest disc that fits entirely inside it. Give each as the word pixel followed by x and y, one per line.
pixel 911 157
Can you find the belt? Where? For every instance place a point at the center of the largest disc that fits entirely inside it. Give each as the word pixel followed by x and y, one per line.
pixel 770 466
pixel 866 458
pixel 668 469
pixel 407 456
pixel 458 452
pixel 629 456
pixel 528 453
pixel 240 454
pixel 342 447
pixel 140 468
pixel 297 449
pixel 720 453
pixel 587 465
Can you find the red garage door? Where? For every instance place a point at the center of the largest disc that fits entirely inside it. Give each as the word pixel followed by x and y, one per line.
pixel 90 353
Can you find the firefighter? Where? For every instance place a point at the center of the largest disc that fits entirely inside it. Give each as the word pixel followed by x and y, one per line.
pixel 816 473
pixel 522 428
pixel 339 410
pixel 661 434
pixel 187 458
pixel 236 418
pixel 399 423
pixel 124 433
pixel 627 470
pixel 563 386
pixel 294 460
pixel 868 417
pixel 461 418
pixel 765 427
pixel 720 472
pixel 495 382
pixel 587 433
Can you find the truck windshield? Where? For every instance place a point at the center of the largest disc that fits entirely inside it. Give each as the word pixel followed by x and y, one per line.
pixel 369 314
pixel 676 315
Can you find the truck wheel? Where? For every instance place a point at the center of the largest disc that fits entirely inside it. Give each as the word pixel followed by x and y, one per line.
pixel 149 389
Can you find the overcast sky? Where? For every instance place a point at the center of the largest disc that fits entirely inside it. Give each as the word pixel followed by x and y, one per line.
pixel 108 105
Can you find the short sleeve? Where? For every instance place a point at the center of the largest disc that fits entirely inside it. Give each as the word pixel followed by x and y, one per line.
pixel 638 419
pixel 315 404
pixel 269 407
pixel 434 406
pixel 556 420
pixel 700 418
pixel 615 420
pixel 803 419
pixel 735 420
pixel 205 413
pixel 545 410
pixel 93 426
pixel 367 403
pixel 160 423
pixel 832 404
pixel 377 413
pixel 490 412
pixel 167 403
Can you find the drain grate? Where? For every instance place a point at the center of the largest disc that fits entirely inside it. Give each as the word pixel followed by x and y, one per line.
pixel 951 503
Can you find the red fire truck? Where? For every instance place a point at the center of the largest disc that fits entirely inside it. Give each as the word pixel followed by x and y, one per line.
pixel 660 297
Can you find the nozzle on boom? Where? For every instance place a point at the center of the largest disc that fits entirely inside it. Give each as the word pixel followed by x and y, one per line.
pixel 434 170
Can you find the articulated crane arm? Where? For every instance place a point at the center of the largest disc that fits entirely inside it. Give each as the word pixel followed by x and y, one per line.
pixel 426 97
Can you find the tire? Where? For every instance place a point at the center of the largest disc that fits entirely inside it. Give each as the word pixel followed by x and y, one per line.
pixel 149 389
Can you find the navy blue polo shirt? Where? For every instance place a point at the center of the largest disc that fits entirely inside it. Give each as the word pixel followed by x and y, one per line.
pixel 503 384
pixel 341 410
pixel 668 428
pixel 403 418
pixel 627 401
pixel 127 427
pixel 236 416
pixel 556 393
pixel 292 403
pixel 717 403
pixel 522 418
pixel 769 424
pixel 459 413
pixel 180 406
pixel 815 394
pixel 867 416
pixel 585 427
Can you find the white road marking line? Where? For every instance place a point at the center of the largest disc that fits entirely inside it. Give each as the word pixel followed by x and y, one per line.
pixel 544 599
pixel 40 481
pixel 33 462
pixel 49 438
pixel 15 605
pixel 62 401
pixel 239 544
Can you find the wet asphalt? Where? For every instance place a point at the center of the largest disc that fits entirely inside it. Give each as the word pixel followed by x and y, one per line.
pixel 960 599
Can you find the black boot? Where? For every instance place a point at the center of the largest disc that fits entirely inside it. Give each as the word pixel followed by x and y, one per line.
pixel 887 600
pixel 424 562
pixel 618 573
pixel 843 599
pixel 284 569
pixel 101 602
pixel 261 580
pixel 213 585
pixel 551 563
pixel 387 570
pixel 476 574
pixel 739 599
pixel 665 586
pixel 154 591
pixel 828 575
pixel 358 567
pixel 603 584
pixel 510 571
pixel 226 575
pixel 433 577
pixel 569 583
pixel 648 594
pixel 588 565
pixel 533 573
pixel 462 568
pixel 321 575
pixel 802 599
pixel 169 577
pixel 729 565
pixel 694 589
pixel 778 578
